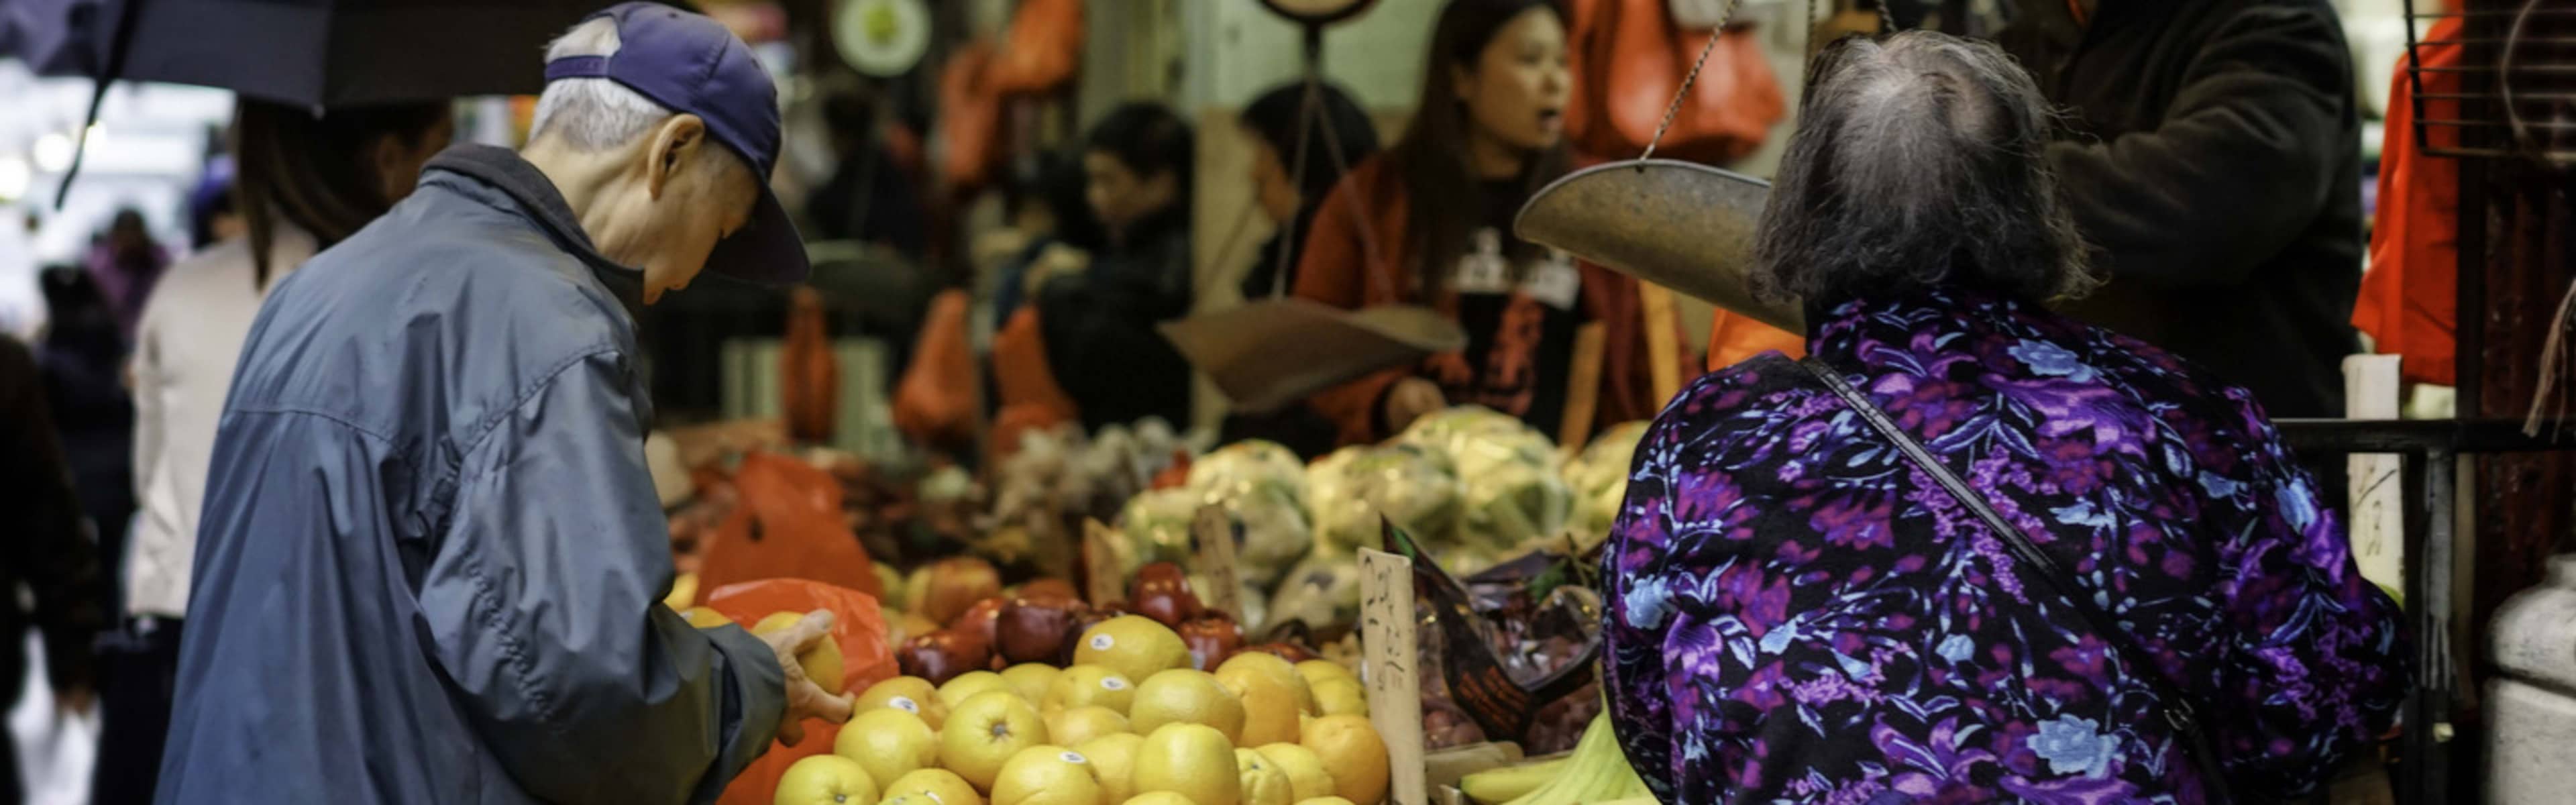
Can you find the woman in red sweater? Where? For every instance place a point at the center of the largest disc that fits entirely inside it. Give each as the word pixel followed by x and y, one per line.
pixel 1429 222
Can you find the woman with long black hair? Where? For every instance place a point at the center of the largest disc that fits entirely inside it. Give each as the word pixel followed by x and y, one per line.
pixel 302 183
pixel 1429 222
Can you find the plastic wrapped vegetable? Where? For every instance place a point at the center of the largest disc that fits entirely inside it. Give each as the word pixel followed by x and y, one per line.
pixel 1157 529
pixel 1258 484
pixel 1322 592
pixel 1599 477
pixel 1511 505
pixel 1506 471
pixel 1475 435
pixel 1245 462
pixel 1404 483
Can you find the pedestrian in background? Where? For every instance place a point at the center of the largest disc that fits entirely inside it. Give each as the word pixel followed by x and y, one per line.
pixel 308 182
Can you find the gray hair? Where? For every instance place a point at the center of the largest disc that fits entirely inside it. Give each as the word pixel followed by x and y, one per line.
pixel 1918 161
pixel 592 114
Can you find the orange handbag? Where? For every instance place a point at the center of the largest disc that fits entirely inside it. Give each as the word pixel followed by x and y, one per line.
pixel 1629 58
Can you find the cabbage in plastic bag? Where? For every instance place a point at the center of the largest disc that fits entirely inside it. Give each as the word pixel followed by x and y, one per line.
pixel 1472 434
pixel 1260 485
pixel 1404 483
pixel 1512 494
pixel 1156 525
pixel 1246 462
pixel 1323 592
pixel 1599 477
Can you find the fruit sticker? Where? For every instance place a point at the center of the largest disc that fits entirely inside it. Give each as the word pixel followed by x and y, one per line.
pixel 1073 757
pixel 1111 682
pixel 904 703
pixel 1102 642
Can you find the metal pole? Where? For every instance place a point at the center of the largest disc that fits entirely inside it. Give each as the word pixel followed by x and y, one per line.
pixel 2429 477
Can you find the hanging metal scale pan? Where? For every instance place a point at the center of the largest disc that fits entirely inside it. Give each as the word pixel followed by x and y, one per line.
pixel 1681 225
pixel 1317 12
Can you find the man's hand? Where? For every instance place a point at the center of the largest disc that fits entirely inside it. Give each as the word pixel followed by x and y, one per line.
pixel 1057 260
pixel 804 698
pixel 1410 399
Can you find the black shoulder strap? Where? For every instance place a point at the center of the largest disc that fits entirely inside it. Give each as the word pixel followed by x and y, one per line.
pixel 2178 710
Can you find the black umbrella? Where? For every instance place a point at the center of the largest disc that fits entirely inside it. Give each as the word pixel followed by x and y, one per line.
pixel 321 54
pixel 329 53
pixel 56 37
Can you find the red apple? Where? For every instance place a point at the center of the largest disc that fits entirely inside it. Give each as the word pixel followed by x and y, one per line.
pixel 940 656
pixel 1039 589
pixel 1162 593
pixel 1033 630
pixel 957 583
pixel 977 622
pixel 1212 637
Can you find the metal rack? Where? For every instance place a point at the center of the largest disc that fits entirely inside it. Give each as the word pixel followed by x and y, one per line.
pixel 2430 451
pixel 2514 105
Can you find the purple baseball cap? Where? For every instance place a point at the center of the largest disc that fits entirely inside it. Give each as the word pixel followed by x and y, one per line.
pixel 691 65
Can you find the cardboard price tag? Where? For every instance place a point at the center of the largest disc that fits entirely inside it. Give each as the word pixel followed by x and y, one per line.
pixel 1389 651
pixel 1213 533
pixel 1100 567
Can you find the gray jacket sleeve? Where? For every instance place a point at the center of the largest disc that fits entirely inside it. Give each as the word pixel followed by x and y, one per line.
pixel 543 605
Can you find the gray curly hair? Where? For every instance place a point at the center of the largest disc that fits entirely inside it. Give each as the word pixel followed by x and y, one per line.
pixel 1918 161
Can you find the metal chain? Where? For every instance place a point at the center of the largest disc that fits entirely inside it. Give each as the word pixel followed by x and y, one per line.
pixel 1675 109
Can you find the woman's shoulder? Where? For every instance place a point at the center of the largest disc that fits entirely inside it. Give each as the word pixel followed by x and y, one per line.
pixel 1769 382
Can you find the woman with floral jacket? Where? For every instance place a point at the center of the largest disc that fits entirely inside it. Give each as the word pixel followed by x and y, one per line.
pixel 1797 612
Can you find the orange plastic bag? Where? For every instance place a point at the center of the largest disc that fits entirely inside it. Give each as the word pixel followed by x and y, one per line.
pixel 866 655
pixel 1042 49
pixel 1629 58
pixel 788 526
pixel 934 403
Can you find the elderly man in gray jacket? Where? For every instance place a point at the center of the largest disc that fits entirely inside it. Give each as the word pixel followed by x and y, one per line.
pixel 431 560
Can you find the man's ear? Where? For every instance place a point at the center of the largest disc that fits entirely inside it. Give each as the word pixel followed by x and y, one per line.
pixel 674 144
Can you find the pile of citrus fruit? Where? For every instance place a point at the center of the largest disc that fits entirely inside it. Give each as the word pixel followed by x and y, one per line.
pixel 1129 723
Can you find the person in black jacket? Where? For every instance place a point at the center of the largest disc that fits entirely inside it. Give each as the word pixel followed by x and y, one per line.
pixel 2212 156
pixel 1099 321
pixel 45 548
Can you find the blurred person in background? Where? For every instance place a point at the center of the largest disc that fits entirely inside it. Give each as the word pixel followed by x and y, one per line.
pixel 46 551
pixel 82 358
pixel 429 533
pixel 1796 610
pixel 1299 152
pixel 126 262
pixel 1043 195
pixel 212 216
pixel 308 182
pixel 1428 222
pixel 1303 143
pixel 1097 312
pixel 2211 153
pixel 869 197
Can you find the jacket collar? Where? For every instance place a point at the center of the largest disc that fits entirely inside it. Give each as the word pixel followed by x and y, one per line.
pixel 541 204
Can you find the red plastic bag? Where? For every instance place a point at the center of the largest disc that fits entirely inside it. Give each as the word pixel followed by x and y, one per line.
pixel 867 658
pixel 789 526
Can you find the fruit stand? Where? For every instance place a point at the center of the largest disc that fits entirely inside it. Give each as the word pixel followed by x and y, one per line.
pixel 1129 617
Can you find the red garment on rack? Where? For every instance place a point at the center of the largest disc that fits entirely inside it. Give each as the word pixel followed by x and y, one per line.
pixel 2410 298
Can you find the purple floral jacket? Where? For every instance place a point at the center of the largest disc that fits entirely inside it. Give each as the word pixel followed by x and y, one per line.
pixel 1797 614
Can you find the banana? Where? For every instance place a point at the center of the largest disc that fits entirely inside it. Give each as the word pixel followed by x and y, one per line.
pixel 1509 783
pixel 1597 771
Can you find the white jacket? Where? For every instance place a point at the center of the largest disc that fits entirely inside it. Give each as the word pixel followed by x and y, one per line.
pixel 190 336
